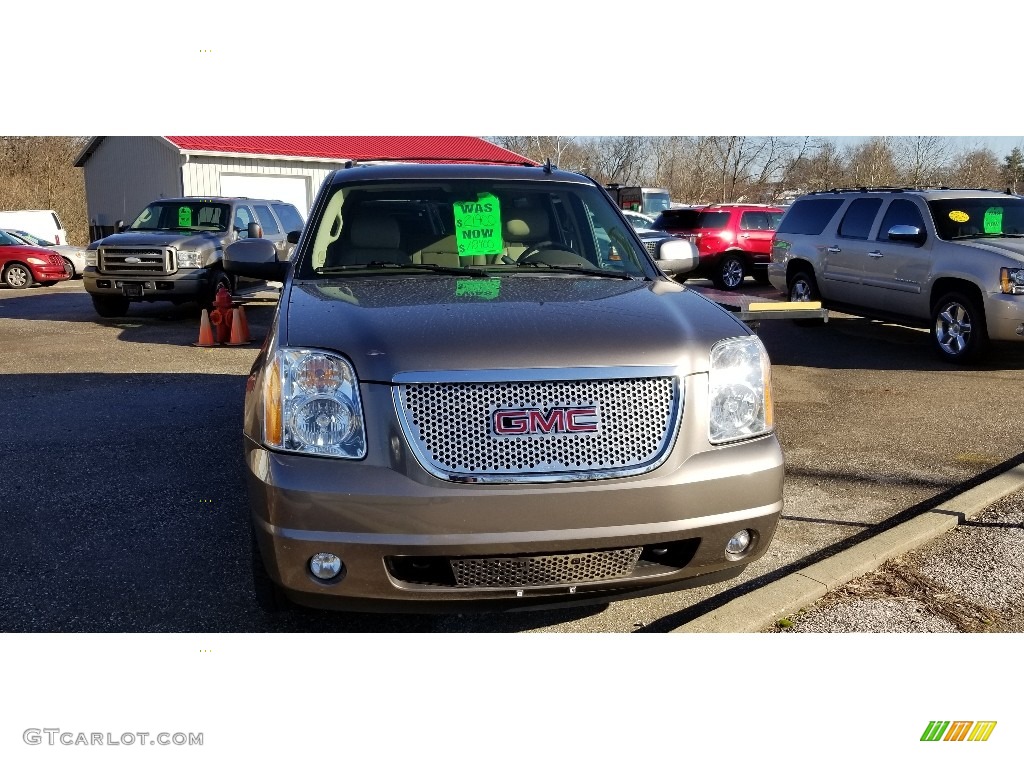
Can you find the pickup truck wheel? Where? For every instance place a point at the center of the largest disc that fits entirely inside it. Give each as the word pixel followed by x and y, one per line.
pixel 110 306
pixel 269 596
pixel 729 273
pixel 958 328
pixel 217 279
pixel 803 287
pixel 17 276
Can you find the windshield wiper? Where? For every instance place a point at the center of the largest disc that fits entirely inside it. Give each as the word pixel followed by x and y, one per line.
pixel 436 268
pixel 581 270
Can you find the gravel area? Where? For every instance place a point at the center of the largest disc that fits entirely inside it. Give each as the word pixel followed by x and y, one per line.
pixel 970 580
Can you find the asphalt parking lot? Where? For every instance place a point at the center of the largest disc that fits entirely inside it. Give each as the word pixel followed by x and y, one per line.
pixel 124 503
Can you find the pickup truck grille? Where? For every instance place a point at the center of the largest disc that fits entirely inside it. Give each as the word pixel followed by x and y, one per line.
pixel 137 261
pixel 450 427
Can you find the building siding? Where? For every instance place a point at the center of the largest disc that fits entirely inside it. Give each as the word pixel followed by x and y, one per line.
pixel 126 173
pixel 201 174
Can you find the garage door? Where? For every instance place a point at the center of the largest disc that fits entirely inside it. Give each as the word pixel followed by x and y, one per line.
pixel 288 189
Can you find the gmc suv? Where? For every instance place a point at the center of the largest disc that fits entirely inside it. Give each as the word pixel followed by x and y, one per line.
pixel 173 251
pixel 948 259
pixel 479 388
pixel 734 239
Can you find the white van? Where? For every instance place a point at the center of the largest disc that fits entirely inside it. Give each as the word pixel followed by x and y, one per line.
pixel 43 224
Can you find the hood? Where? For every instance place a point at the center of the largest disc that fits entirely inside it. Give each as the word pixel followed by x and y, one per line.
pixel 25 251
pixel 388 325
pixel 1011 247
pixel 186 240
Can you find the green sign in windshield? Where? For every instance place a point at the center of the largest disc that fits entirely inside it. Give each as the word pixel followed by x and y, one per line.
pixel 478 226
pixel 184 216
pixel 480 289
pixel 993 222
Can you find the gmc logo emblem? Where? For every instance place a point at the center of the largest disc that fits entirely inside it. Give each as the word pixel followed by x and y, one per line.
pixel 534 421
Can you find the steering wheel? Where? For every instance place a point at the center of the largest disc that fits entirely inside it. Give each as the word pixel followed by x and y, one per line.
pixel 547 245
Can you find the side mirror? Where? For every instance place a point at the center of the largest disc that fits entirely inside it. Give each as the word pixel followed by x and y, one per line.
pixel 676 256
pixel 293 237
pixel 255 258
pixel 254 230
pixel 120 226
pixel 904 233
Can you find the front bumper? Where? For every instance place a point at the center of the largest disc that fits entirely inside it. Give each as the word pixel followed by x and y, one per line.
pixel 183 285
pixel 386 518
pixel 1004 317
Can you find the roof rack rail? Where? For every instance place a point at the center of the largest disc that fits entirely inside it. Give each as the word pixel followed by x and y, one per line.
pixel 485 161
pixel 838 190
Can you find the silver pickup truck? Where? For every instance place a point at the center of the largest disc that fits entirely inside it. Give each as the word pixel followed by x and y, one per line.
pixel 173 251
pixel 480 388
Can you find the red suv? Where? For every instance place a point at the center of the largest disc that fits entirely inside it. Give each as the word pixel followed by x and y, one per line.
pixel 733 239
pixel 21 264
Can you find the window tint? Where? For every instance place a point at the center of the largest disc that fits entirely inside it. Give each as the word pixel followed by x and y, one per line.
pixel 774 217
pixel 289 216
pixel 900 212
pixel 267 220
pixel 680 218
pixel 713 219
pixel 859 217
pixel 809 217
pixel 754 220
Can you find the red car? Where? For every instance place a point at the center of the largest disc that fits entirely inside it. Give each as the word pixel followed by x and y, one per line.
pixel 733 239
pixel 22 265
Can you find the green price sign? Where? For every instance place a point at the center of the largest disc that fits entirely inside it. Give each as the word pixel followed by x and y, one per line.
pixel 479 289
pixel 184 216
pixel 478 226
pixel 993 223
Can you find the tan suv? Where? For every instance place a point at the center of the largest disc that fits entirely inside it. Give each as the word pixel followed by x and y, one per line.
pixel 479 387
pixel 948 259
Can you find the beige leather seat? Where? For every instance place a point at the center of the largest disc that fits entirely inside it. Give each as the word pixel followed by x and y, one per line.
pixel 367 238
pixel 525 228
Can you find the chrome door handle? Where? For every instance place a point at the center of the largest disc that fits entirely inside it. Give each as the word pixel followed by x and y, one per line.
pixel 875 254
pixel 833 249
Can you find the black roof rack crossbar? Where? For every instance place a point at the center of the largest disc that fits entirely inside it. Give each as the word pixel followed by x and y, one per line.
pixel 487 161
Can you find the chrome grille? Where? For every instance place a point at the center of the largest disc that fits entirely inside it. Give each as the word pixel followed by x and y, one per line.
pixel 449 428
pixel 151 261
pixel 545 569
pixel 651 246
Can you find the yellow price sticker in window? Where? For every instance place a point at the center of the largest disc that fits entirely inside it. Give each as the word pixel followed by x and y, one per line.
pixel 959 216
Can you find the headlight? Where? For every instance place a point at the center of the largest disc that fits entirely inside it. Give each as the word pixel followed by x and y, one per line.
pixel 34 260
pixel 190 258
pixel 311 405
pixel 1011 280
pixel 740 390
pixel 91 258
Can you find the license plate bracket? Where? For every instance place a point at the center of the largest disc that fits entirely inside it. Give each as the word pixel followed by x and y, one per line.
pixel 132 290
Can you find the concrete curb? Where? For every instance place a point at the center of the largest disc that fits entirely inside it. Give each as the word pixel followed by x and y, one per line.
pixel 757 610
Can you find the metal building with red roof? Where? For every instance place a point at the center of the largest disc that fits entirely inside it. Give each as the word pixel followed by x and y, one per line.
pixel 125 173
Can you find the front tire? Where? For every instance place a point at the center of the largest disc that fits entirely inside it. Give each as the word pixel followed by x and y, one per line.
pixel 69 267
pixel 729 273
pixel 217 279
pixel 110 306
pixel 958 328
pixel 17 276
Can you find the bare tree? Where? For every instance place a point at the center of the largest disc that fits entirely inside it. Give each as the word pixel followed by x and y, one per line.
pixel 872 163
pixel 920 158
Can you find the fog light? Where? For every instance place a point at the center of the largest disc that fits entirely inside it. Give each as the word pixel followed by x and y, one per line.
pixel 738 543
pixel 325 566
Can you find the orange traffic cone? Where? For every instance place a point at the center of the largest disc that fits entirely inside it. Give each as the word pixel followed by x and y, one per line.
pixel 205 332
pixel 245 324
pixel 238 338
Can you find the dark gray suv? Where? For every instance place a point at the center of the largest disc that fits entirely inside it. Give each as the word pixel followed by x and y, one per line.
pixel 480 388
pixel 951 260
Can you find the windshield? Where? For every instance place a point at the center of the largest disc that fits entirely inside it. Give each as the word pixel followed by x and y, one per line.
pixel 677 218
pixel 977 217
pixel 8 239
pixel 480 226
pixel 190 216
pixel 656 202
pixel 29 238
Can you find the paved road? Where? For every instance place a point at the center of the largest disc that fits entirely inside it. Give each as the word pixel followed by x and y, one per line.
pixel 123 498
